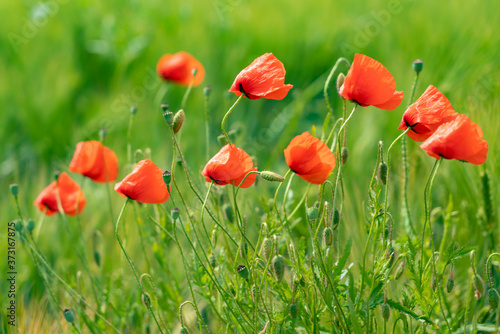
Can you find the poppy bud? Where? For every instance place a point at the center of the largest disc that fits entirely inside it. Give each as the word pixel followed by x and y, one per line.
pixel 184 330
pixel 228 210
pixel 164 107
pixel 313 213
pixel 267 248
pixel 146 299
pixel 102 134
pixel 418 65
pixel 294 311
pixel 254 293
pixel 493 298
pixel 133 110
pixel 336 218
pixel 56 175
pixel 478 283
pixel 212 260
pixel 271 176
pixel 340 82
pixel 278 267
pixel 18 225
pixel 243 272
pixel 433 283
pixel 221 139
pixel 450 284
pixel 327 236
pixel 168 116
pixel 400 271
pixel 389 255
pixel 69 315
pixel 14 189
pixel 344 155
pixel 386 311
pixel 382 173
pixel 207 91
pixel 167 177
pixel 175 213
pixel 179 118
pixel 96 245
pixel 30 225
pixel 244 250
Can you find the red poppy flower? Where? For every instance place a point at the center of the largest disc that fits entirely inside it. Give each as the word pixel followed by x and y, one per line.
pixel 310 158
pixel 179 69
pixel 458 139
pixel 263 78
pixel 95 161
pixel 369 83
pixel 230 166
pixel 70 195
pixel 145 184
pixel 427 113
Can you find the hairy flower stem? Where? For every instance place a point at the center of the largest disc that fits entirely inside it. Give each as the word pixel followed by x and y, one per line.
pixel 207 131
pixel 404 149
pixel 386 202
pixel 276 197
pixel 186 94
pixel 227 114
pixel 329 80
pixel 130 262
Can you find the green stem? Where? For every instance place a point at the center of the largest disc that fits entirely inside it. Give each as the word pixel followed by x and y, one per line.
pixel 207 131
pixel 227 114
pixel 329 79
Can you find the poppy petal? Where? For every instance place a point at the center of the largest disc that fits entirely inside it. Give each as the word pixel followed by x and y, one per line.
pixel 393 103
pixel 67 191
pixel 179 69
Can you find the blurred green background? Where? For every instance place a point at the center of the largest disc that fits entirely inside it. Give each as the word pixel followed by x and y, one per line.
pixel 70 68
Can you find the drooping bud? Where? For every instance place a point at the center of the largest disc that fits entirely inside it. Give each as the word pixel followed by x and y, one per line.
pixel 340 82
pixel 382 173
pixel 313 213
pixel 18 225
pixel 450 284
pixel 335 218
pixel 400 271
pixel 344 155
pixel 56 175
pixel 164 107
pixel 14 189
pixel 243 272
pixel 271 176
pixel 418 65
pixel 478 283
pixel 228 211
pixel 294 311
pixel 207 91
pixel 386 311
pixel 267 248
pixel 179 118
pixel 493 298
pixel 146 299
pixel 175 213
pixel 96 246
pixel 167 177
pixel 69 315
pixel 328 236
pixel 244 250
pixel 30 225
pixel 278 267
pixel 221 139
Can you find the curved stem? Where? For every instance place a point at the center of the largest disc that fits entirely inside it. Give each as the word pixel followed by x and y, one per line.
pixel 227 114
pixel 329 79
pixel 276 195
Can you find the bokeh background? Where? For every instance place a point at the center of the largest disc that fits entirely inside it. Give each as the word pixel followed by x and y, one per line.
pixel 70 68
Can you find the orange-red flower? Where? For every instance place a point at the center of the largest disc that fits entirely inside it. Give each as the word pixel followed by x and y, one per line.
pixel 230 166
pixel 145 184
pixel 95 161
pixel 263 78
pixel 369 83
pixel 310 158
pixel 179 69
pixel 70 195
pixel 458 139
pixel 427 113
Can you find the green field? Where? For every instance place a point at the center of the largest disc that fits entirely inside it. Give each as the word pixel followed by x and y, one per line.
pixel 70 68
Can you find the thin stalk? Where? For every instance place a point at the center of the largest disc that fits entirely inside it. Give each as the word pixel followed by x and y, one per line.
pixel 227 114
pixel 329 79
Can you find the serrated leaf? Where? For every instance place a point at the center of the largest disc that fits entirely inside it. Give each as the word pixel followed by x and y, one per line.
pixel 397 306
pixel 343 260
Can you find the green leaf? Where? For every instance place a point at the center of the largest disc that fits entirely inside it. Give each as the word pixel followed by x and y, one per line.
pixel 343 259
pixel 395 305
